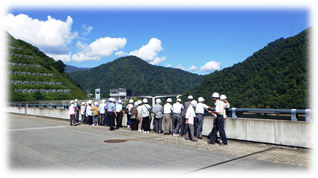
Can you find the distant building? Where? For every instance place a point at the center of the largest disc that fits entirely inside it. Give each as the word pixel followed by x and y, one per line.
pixel 120 93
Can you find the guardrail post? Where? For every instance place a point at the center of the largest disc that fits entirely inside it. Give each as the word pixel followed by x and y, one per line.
pixel 234 113
pixel 293 115
pixel 26 107
pixel 307 112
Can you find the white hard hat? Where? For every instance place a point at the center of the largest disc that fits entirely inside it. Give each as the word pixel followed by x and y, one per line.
pixel 178 99
pixel 76 100
pixel 139 102
pixel 95 103
pixel 190 97
pixel 158 100
pixel 71 101
pixel 169 100
pixel 200 99
pixel 119 101
pixel 131 101
pixel 215 95
pixel 83 103
pixel 114 100
pixel 223 97
pixel 194 103
pixel 103 101
pixel 89 102
pixel 136 103
pixel 145 100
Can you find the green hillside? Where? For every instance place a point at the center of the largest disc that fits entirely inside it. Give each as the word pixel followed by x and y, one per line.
pixel 34 76
pixel 273 77
pixel 133 73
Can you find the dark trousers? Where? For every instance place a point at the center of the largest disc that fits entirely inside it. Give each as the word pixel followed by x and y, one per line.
pixel 107 119
pixel 218 125
pixel 183 130
pixel 72 119
pixel 128 119
pixel 102 119
pixel 146 123
pixel 199 125
pixel 158 124
pixel 111 120
pixel 77 116
pixel 176 123
pixel 83 118
pixel 190 133
pixel 90 120
pixel 134 124
pixel 119 119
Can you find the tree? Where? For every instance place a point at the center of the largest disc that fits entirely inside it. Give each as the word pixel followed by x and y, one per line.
pixel 59 65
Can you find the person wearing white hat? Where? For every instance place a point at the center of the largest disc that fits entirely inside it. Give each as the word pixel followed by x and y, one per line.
pixel 89 112
pixel 184 127
pixel 177 108
pixel 190 115
pixel 218 125
pixel 119 111
pixel 199 111
pixel 145 112
pixel 157 110
pixel 128 111
pixel 77 107
pixel 111 110
pixel 167 108
pixel 106 112
pixel 72 112
pixel 101 112
pixel 134 117
pixel 83 112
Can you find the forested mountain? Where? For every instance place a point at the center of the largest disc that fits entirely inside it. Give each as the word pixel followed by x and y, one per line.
pixel 70 69
pixel 274 77
pixel 34 76
pixel 133 73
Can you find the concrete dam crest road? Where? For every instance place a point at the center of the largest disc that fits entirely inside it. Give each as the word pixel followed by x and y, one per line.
pixel 38 143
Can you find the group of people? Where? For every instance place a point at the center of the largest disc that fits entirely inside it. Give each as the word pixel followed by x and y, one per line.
pixel 177 119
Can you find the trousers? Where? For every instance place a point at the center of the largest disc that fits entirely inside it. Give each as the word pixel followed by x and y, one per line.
pixel 190 133
pixel 199 124
pixel 166 123
pixel 176 123
pixel 218 125
pixel 72 119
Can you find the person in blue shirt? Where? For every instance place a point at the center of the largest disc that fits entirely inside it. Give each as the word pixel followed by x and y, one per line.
pixel 119 117
pixel 111 110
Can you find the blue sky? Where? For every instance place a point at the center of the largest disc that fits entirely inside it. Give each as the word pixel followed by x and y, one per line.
pixel 198 40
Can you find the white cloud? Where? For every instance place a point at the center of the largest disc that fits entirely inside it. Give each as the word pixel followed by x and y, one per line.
pixel 192 68
pixel 62 57
pixel 210 66
pixel 121 53
pixel 150 51
pixel 168 65
pixel 102 47
pixel 180 67
pixel 50 36
pixel 87 29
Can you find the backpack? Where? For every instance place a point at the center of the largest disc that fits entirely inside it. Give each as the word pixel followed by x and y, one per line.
pixel 134 113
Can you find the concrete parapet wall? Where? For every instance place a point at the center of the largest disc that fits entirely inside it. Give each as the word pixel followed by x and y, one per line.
pixel 292 133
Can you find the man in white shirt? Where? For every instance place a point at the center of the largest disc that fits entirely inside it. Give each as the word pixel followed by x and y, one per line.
pixel 220 113
pixel 190 115
pixel 101 111
pixel 199 111
pixel 167 116
pixel 176 117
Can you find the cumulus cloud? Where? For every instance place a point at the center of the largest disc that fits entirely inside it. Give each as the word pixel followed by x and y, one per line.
pixel 87 29
pixel 50 36
pixel 121 53
pixel 102 47
pixel 168 65
pixel 192 68
pixel 180 67
pixel 210 66
pixel 150 51
pixel 62 57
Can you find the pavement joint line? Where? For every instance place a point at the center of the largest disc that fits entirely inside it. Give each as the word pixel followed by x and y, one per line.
pixel 230 160
pixel 36 128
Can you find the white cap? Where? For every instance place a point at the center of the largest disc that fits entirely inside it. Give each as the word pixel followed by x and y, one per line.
pixel 119 101
pixel 158 100
pixel 131 101
pixel 145 100
pixel 71 101
pixel 190 97
pixel 215 95
pixel 200 99
pixel 223 97
pixel 178 99
pixel 194 103
pixel 76 100
pixel 83 103
pixel 169 100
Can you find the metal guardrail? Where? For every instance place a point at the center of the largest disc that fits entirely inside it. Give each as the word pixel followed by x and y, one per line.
pixel 233 112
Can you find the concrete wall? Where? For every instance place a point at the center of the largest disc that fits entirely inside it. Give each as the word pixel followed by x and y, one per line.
pixel 293 133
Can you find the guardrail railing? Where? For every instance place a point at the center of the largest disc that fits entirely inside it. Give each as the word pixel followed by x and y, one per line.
pixel 232 112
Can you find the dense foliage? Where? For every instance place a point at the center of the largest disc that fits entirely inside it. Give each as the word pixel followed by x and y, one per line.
pixel 273 77
pixel 133 73
pixel 21 52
